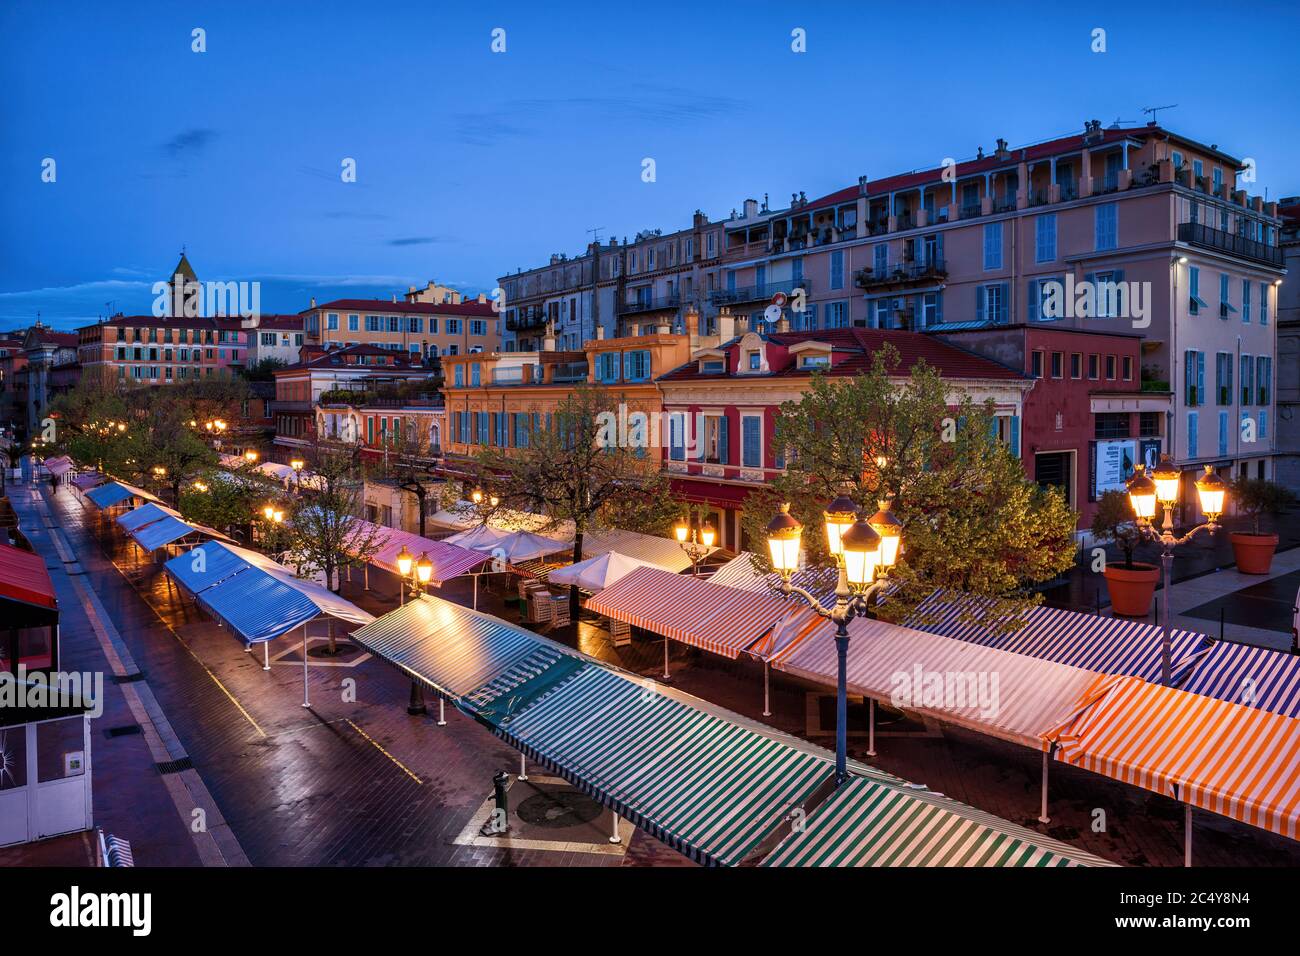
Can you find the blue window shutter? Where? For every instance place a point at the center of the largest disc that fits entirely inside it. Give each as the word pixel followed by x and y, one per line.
pixel 1015 435
pixel 1200 378
pixel 723 440
pixel 1192 434
pixel 979 303
pixel 1033 300
pixel 1005 301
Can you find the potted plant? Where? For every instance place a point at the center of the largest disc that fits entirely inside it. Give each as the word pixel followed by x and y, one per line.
pixel 1131 584
pixel 1254 549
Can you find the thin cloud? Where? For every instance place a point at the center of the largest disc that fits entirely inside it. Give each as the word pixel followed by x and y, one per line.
pixel 416 241
pixel 189 142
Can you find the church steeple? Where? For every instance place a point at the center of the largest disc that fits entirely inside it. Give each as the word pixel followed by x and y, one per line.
pixel 184 286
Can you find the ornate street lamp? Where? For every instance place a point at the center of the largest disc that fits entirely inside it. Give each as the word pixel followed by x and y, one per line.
pixel 476 496
pixel 423 573
pixel 1162 486
pixel 865 549
pixel 250 456
pixel 696 541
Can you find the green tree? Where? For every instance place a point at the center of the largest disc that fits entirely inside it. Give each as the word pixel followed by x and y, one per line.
pixel 576 471
pixel 972 520
pixel 1114 521
pixel 263 370
pixel 227 500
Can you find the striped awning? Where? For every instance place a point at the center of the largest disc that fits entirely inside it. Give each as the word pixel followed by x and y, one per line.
pixel 115 492
pixel 141 516
pixel 708 787
pixel 995 692
pixel 460 654
pixel 719 619
pixel 1108 645
pixel 208 564
pixel 1237 761
pixel 739 573
pixel 449 560
pixel 59 466
pixel 1245 674
pixel 662 552
pixel 865 823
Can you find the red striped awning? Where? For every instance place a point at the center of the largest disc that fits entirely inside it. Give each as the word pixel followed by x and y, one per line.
pixel 719 619
pixel 23 578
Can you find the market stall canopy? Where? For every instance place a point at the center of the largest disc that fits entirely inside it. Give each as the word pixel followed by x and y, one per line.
pixel 88 480
pixel 719 619
pixel 665 553
pixel 449 560
pixel 1227 758
pixel 169 530
pixel 866 823
pixel 739 572
pixel 259 601
pixel 524 546
pixel 465 515
pixel 479 538
pixel 595 574
pixel 59 466
pixel 115 492
pixel 1246 674
pixel 141 516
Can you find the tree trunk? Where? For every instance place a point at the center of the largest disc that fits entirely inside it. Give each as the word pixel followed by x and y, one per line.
pixel 573 588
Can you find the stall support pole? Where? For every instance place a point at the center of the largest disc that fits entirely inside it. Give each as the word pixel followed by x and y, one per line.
pixel 871 726
pixel 614 837
pixel 1187 834
pixel 767 694
pixel 306 700
pixel 442 717
pixel 266 655
pixel 1042 813
pixel 665 658
pixel 523 766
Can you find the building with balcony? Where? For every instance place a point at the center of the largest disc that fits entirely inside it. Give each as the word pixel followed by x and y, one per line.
pixel 333 376
pixel 421 330
pixel 147 350
pixel 723 403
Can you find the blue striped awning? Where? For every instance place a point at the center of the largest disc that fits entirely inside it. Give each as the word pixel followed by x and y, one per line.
pixel 115 492
pixel 1245 674
pixel 139 517
pixel 465 656
pixel 1107 645
pixel 167 530
pixel 709 787
pixel 202 567
pixel 865 823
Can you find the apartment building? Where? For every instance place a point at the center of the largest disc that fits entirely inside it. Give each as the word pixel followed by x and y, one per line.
pixel 621 288
pixel 147 350
pixel 497 401
pixel 278 337
pixel 48 368
pixel 321 375
pixel 1288 350
pixel 421 330
pixel 723 404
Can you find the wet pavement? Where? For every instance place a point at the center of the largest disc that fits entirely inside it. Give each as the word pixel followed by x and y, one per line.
pixel 355 780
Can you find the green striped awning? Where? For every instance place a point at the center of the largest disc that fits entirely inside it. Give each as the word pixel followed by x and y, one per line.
pixel 871 824
pixel 708 787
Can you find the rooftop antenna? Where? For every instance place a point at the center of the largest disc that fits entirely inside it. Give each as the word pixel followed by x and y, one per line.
pixel 1152 110
pixel 1120 122
pixel 595 234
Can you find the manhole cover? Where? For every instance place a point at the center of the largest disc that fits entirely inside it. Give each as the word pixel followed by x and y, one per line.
pixel 559 808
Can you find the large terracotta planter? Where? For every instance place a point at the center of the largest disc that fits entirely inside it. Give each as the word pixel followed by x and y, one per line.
pixel 1254 552
pixel 1131 589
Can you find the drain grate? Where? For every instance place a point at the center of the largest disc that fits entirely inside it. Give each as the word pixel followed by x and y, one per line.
pixel 124 731
pixel 175 766
pixel 128 678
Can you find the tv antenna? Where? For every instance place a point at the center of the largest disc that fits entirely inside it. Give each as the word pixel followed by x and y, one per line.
pixel 595 234
pixel 1152 110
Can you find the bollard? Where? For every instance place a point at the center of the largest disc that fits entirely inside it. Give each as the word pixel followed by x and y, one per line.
pixel 499 821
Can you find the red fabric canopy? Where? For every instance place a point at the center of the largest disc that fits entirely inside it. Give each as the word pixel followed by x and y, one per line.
pixel 23 578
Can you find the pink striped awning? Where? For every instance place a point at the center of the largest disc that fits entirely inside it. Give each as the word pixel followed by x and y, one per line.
pixel 719 619
pixel 89 480
pixel 449 560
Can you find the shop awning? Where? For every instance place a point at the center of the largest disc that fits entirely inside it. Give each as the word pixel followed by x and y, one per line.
pixel 464 516
pixel 115 492
pixel 525 546
pixel 719 619
pixel 88 480
pixel 708 787
pixel 665 553
pixel 465 656
pixel 480 537
pixel 141 516
pixel 24 578
pixel 1245 674
pixel 254 596
pixel 449 560
pixel 1237 761
pixel 739 573
pixel 168 530
pixel 995 692
pixel 59 466
pixel 865 823
pixel 1108 645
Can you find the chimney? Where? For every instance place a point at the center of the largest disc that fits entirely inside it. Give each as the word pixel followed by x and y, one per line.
pixel 482 298
pixel 394 297
pixel 726 325
pixel 692 323
pixel 783 323
pixel 548 340
pixel 411 289
pixel 751 208
pixel 742 324
pixel 600 333
pixel 1003 153
pixel 313 302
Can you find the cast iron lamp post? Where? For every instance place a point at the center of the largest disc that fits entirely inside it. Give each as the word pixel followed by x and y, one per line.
pixel 696 541
pixel 864 550
pixel 1162 485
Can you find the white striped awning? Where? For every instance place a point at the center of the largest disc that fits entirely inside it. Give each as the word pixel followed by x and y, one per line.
pixel 865 823
pixel 995 692
pixel 739 573
pixel 141 516
pixel 706 786
pixel 719 619
pixel 1250 675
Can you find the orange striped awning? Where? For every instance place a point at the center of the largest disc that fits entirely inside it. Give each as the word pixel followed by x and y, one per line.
pixel 1228 758
pixel 719 619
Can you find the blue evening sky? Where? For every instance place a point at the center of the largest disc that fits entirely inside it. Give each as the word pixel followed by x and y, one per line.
pixel 471 163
